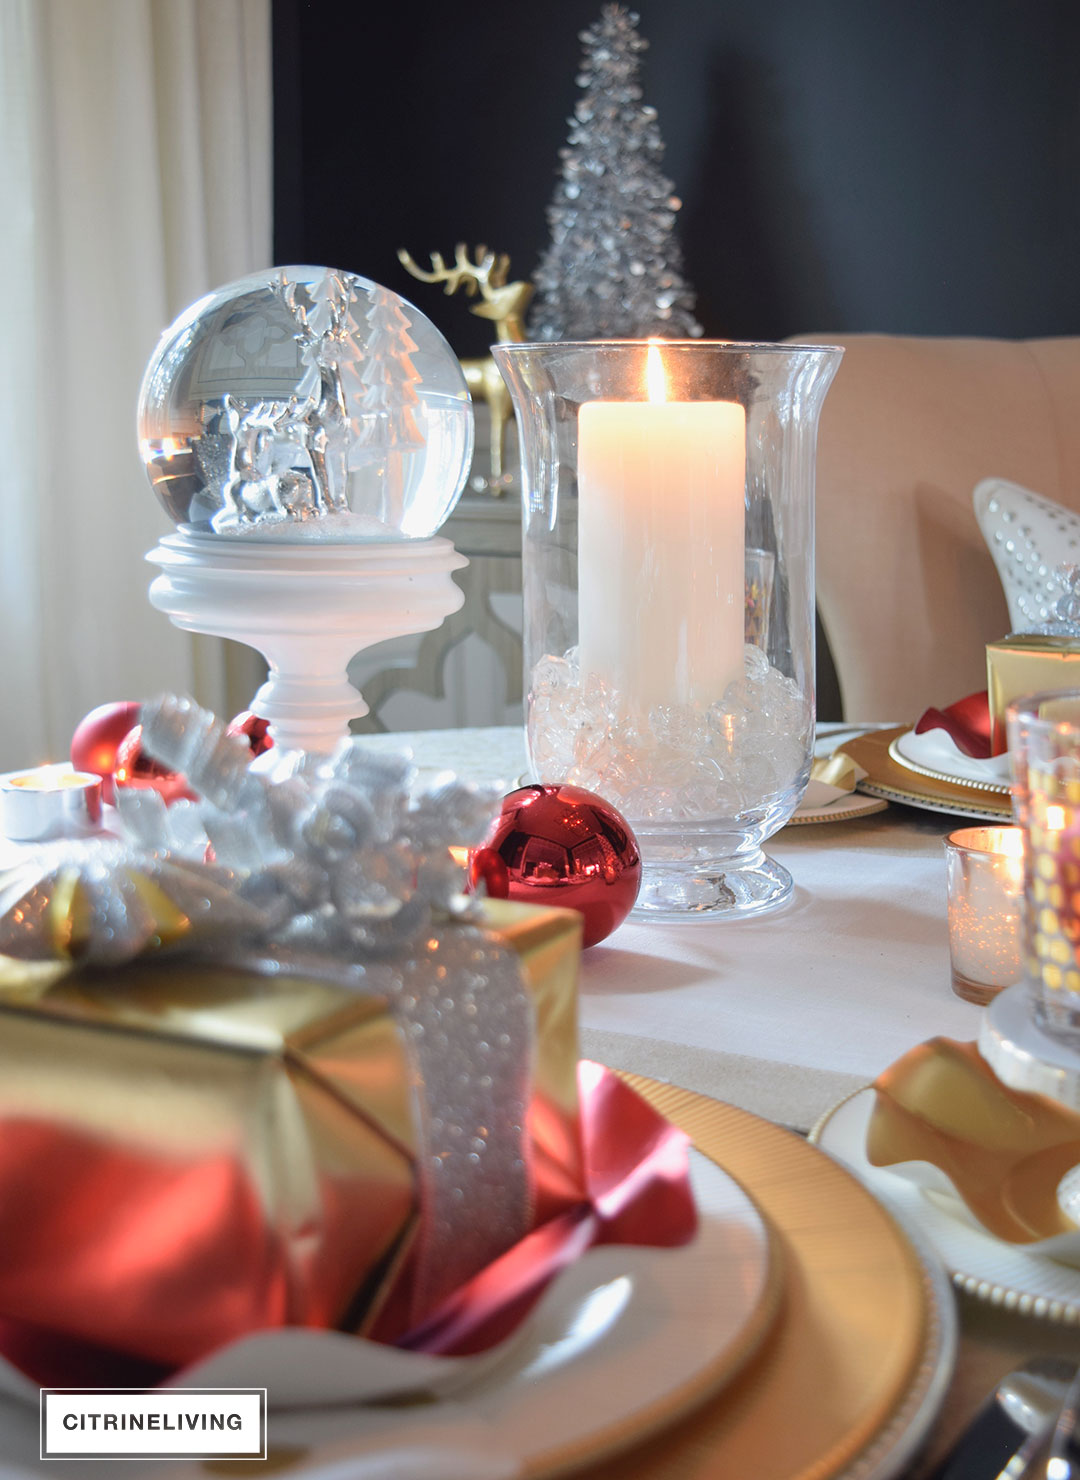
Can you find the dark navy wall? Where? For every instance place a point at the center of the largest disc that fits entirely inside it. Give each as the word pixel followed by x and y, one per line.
pixel 895 165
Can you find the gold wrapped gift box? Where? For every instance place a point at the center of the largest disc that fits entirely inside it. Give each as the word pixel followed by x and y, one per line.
pixel 190 1152
pixel 1026 663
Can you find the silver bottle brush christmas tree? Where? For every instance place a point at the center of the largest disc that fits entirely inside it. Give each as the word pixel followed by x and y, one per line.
pixel 613 269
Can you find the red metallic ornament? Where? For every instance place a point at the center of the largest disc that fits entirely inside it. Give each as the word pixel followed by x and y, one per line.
pixel 97 738
pixel 567 847
pixel 487 867
pixel 134 768
pixel 255 730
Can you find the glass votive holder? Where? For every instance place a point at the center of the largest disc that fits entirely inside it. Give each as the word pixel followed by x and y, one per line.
pixel 985 882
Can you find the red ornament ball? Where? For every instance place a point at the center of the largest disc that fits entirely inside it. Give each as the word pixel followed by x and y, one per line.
pixel 567 847
pixel 134 768
pixel 255 730
pixel 97 738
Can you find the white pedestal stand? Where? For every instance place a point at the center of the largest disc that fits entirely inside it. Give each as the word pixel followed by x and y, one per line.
pixel 307 607
pixel 1023 1056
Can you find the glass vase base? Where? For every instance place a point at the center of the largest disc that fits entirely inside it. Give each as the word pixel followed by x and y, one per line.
pixel 731 889
pixel 1027 1054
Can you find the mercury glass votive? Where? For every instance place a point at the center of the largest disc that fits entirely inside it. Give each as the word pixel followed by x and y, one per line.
pixel 1044 755
pixel 665 484
pixel 985 882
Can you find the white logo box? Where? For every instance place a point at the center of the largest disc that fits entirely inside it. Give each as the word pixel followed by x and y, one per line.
pixel 153 1423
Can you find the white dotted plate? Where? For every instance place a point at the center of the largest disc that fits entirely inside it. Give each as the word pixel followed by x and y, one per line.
pixel 968 771
pixel 984 1266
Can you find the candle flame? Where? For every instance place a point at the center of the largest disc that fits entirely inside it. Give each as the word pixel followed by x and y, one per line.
pixel 1013 870
pixel 157 450
pixel 1010 842
pixel 655 379
pixel 1055 819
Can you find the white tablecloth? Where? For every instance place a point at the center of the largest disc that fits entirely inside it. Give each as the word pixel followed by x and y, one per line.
pixel 785 1014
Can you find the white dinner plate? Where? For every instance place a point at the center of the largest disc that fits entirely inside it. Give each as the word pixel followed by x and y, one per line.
pixel 933 754
pixel 982 1265
pixel 624 1342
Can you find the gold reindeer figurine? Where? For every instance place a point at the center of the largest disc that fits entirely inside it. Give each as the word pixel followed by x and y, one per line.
pixel 502 302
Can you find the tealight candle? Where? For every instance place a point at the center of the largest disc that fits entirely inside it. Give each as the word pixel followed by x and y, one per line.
pixel 48 802
pixel 985 891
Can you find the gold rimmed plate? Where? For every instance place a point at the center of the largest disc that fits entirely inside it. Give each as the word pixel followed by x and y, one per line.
pixel 860 1304
pixel 856 1303
pixel 843 1385
pixel 890 777
pixel 846 809
pixel 621 1344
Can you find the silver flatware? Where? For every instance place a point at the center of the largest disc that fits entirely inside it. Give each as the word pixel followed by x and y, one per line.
pixel 1064 1458
pixel 1013 1427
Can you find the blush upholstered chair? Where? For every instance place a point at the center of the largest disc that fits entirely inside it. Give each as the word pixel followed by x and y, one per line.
pixel 907 592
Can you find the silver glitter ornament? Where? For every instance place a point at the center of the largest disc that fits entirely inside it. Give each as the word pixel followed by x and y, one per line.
pixel 613 269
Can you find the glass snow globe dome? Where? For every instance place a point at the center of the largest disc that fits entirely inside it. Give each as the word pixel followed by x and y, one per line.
pixel 305 404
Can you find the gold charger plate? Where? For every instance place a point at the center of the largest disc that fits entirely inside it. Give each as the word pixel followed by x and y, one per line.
pixel 886 777
pixel 844 1383
pixel 849 1379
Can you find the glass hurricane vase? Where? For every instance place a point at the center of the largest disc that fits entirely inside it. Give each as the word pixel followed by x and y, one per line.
pixel 659 479
pixel 1044 757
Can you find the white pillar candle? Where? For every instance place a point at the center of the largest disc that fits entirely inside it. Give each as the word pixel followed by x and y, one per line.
pixel 661 515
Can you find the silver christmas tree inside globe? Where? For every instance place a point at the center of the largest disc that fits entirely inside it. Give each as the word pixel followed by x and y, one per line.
pixel 305 404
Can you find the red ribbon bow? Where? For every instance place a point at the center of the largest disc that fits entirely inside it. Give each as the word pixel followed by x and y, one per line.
pixel 967 722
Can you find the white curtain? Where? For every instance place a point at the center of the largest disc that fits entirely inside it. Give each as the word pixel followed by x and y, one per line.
pixel 135 170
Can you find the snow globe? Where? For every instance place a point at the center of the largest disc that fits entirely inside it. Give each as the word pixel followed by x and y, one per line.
pixel 308 431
